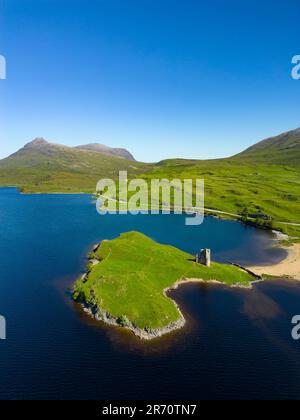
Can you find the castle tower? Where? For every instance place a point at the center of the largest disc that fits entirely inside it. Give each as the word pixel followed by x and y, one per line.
pixel 204 257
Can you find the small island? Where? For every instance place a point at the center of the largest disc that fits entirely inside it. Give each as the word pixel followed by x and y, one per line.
pixel 128 278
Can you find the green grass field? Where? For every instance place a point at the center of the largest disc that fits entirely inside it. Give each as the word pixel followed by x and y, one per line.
pixel 132 274
pixel 230 185
pixel 236 186
pixel 265 179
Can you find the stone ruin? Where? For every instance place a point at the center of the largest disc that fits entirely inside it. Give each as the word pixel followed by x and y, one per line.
pixel 204 257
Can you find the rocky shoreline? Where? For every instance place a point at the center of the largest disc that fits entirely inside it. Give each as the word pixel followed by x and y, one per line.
pixel 100 314
pixel 148 334
pixel 144 334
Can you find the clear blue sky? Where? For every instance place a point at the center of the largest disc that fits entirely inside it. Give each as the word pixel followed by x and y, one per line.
pixel 163 78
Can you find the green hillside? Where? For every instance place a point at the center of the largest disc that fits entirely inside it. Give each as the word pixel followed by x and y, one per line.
pixel 243 187
pixel 263 181
pixel 128 275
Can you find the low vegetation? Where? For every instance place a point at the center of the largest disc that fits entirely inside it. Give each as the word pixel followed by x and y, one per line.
pixel 237 186
pixel 263 180
pixel 132 274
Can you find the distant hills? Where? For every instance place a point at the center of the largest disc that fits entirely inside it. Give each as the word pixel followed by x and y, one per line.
pixel 41 165
pixel 49 149
pixel 262 180
pixel 282 149
pixel 109 151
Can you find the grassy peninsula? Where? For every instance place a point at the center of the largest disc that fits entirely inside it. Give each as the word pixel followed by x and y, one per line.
pixel 128 277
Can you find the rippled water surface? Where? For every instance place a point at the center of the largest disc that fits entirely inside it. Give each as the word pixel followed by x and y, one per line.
pixel 237 343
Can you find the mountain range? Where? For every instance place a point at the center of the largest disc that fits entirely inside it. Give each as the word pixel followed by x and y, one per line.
pixel 44 166
pixel 282 149
pixel 48 150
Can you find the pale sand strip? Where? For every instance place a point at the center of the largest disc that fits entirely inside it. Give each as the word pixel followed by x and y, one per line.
pixel 289 267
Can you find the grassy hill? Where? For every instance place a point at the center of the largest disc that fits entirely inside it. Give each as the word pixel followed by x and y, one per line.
pixel 45 167
pixel 126 281
pixel 262 180
pixel 283 149
pixel 243 187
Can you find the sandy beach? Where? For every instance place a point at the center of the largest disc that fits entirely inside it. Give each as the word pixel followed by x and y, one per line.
pixel 289 267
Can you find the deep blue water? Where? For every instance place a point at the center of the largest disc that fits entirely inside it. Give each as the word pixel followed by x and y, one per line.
pixel 237 343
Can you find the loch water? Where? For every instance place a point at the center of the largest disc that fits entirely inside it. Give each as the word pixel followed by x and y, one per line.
pixel 237 343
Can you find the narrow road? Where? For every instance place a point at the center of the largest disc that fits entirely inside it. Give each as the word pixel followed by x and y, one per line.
pixel 238 215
